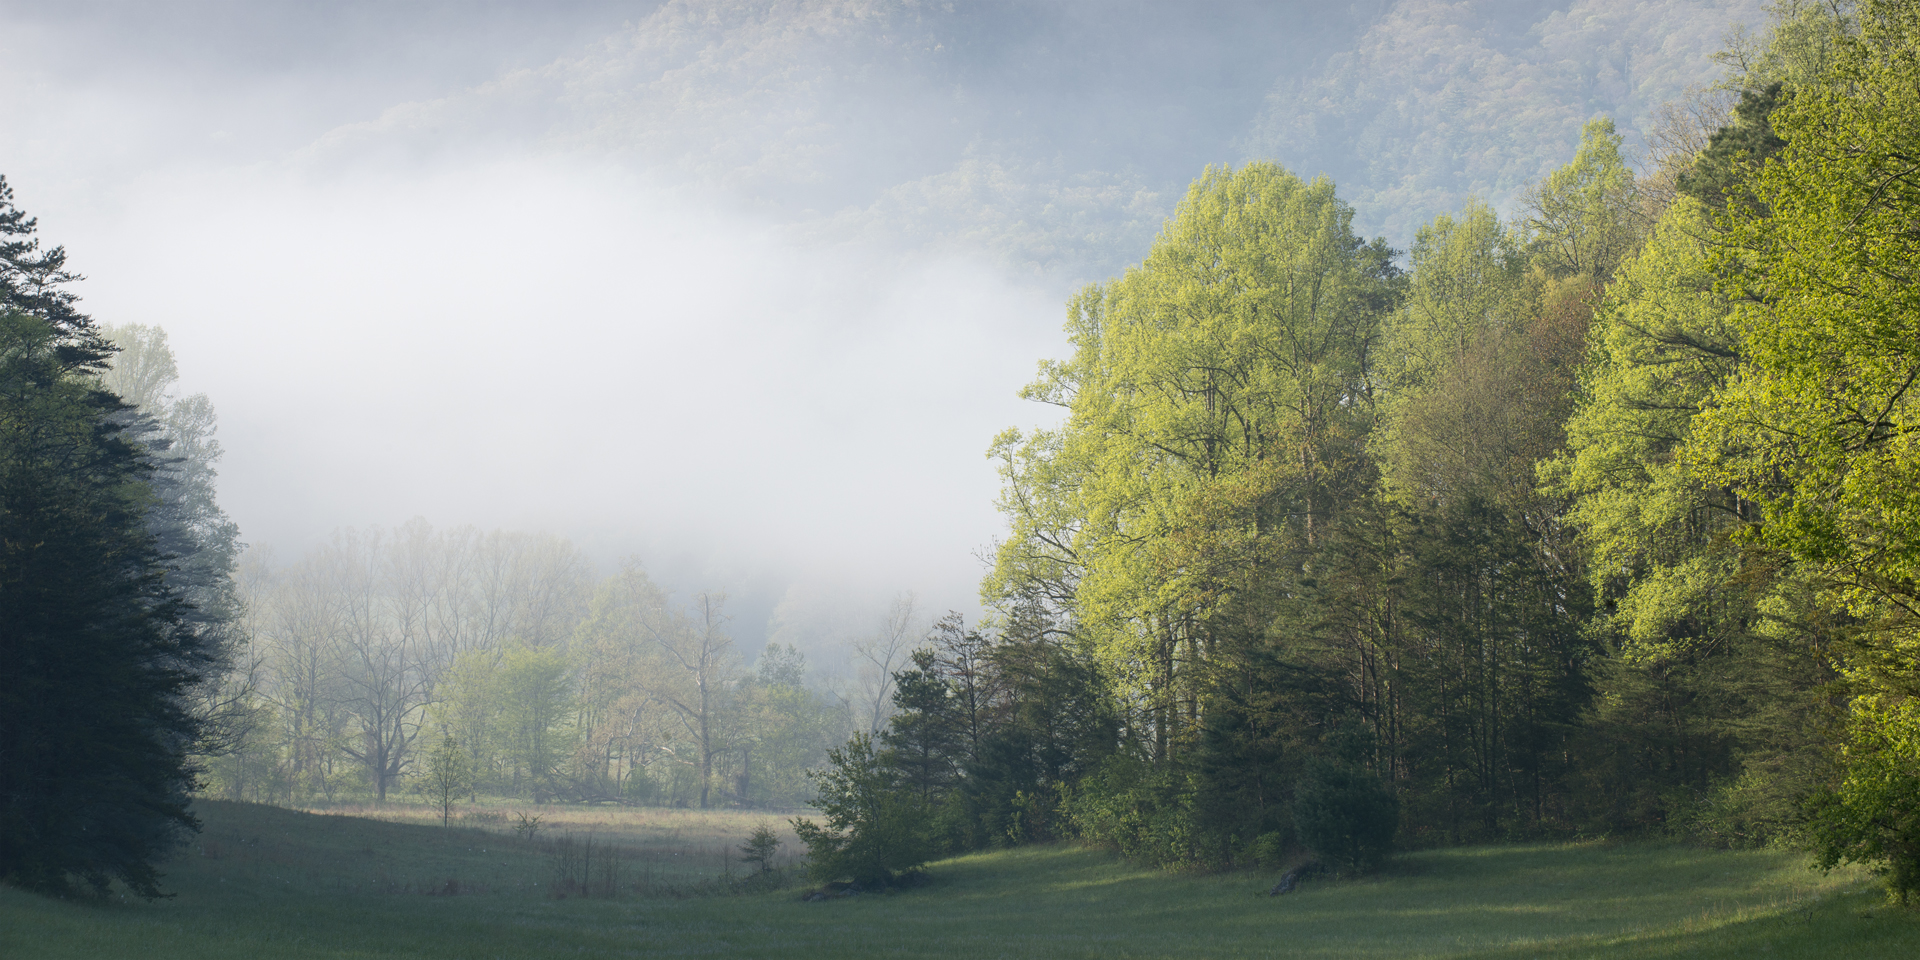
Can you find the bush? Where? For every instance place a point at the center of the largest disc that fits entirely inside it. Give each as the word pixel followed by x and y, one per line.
pixel 760 848
pixel 1872 816
pixel 1346 815
pixel 876 828
pixel 1144 814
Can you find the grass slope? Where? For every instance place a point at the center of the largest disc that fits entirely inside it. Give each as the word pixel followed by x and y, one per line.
pixel 266 883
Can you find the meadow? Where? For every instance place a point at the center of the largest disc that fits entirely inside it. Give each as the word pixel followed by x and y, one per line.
pixel 261 882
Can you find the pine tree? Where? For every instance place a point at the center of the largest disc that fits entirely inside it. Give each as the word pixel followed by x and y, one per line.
pixel 100 646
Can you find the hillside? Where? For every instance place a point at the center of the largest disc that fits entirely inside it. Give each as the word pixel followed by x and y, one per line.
pixel 1055 138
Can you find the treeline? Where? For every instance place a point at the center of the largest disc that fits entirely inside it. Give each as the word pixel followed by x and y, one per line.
pixel 552 684
pixel 1598 521
pixel 346 669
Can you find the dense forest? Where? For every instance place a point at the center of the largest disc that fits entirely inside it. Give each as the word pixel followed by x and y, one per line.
pixel 1594 520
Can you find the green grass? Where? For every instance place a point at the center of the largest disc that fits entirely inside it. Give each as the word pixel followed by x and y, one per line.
pixel 266 883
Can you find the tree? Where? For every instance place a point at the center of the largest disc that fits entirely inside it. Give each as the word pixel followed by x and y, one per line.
pixel 203 543
pixel 882 654
pixel 782 730
pixel 682 660
pixel 357 639
pixel 875 827
pixel 532 693
pixel 1586 216
pixel 1344 813
pixel 34 282
pixel 1821 428
pixel 100 646
pixel 449 774
pixel 760 848
pixel 387 665
pixel 926 739
pixel 1218 396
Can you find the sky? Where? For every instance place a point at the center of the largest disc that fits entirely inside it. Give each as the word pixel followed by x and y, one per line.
pixel 743 288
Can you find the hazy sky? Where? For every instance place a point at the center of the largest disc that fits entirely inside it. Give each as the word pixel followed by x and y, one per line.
pixel 517 336
pixel 743 288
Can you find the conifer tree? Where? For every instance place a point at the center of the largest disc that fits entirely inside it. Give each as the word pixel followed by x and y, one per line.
pixel 101 647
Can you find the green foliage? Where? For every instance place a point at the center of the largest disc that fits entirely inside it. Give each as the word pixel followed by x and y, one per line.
pixel 1345 814
pixel 1137 809
pixel 1873 815
pixel 924 740
pixel 760 848
pixel 783 729
pixel 103 644
pixel 1249 757
pixel 1218 399
pixel 1719 175
pixel 33 281
pixel 534 729
pixel 100 648
pixel 876 827
pixel 1818 429
pixel 449 773
pixel 1585 217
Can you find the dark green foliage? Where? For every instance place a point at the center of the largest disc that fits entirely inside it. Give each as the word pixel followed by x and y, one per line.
pixel 100 648
pixel 1345 814
pixel 1494 676
pixel 989 732
pixel 104 646
pixel 1257 733
pixel 1873 818
pixel 1721 173
pixel 876 826
pixel 1141 809
pixel 760 847
pixel 32 281
pixel 1048 720
pixel 925 741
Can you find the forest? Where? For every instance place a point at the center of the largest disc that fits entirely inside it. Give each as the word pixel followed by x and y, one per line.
pixel 1597 519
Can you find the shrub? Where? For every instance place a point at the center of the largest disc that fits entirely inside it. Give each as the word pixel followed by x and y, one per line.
pixel 1346 815
pixel 760 847
pixel 876 828
pixel 1873 815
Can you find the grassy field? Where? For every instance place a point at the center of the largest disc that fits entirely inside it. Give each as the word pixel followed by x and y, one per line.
pixel 267 883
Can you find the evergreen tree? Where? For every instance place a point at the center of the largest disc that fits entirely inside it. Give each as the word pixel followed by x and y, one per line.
pixel 108 632
pixel 101 647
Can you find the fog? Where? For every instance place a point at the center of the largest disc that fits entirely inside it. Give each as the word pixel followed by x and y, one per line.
pixel 741 289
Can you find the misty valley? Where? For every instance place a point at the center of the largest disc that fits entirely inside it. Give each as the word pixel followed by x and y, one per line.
pixel 1482 519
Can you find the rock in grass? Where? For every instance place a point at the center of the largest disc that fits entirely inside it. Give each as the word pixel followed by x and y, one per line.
pixel 1290 881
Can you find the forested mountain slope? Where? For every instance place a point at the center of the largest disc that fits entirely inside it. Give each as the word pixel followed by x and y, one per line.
pixel 1057 136
pixel 1439 102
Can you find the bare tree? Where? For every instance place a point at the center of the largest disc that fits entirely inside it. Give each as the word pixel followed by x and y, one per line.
pixel 301 675
pixel 698 659
pixel 1680 130
pixel 883 654
pixel 644 652
pixel 383 653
